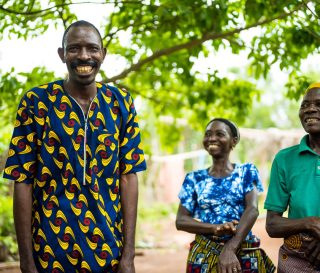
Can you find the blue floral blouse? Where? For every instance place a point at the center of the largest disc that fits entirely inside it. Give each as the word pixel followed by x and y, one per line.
pixel 219 200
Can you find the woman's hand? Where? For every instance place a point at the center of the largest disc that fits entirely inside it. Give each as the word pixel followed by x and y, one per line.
pixel 228 262
pixel 227 228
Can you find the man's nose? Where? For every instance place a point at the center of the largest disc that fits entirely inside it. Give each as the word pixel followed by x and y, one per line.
pixel 311 108
pixel 84 54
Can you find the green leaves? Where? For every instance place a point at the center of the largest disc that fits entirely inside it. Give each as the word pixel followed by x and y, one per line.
pixel 160 42
pixel 14 85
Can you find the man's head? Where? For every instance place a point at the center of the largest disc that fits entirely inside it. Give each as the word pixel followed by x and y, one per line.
pixel 82 51
pixel 81 23
pixel 310 109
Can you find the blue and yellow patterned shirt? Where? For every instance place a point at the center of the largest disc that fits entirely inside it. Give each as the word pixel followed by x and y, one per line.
pixel 219 200
pixel 74 162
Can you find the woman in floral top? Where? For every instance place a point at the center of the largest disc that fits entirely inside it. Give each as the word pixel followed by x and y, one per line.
pixel 220 205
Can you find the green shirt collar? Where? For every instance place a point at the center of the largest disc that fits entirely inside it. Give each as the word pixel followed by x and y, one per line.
pixel 304 146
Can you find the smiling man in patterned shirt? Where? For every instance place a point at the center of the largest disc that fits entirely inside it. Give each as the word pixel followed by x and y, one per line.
pixel 74 155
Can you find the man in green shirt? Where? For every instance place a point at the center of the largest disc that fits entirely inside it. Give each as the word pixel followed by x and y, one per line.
pixel 295 185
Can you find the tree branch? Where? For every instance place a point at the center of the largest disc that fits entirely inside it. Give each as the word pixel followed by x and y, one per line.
pixel 193 43
pixel 123 86
pixel 37 12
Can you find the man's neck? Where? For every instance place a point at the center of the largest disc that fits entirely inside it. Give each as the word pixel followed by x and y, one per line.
pixel 78 91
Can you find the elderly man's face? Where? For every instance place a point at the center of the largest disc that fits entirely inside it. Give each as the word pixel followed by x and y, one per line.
pixel 310 111
pixel 83 54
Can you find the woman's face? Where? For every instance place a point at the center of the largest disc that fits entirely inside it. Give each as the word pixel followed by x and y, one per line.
pixel 218 140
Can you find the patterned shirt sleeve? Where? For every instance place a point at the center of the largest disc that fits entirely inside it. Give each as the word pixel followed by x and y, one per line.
pixel 252 178
pixel 20 165
pixel 131 152
pixel 187 193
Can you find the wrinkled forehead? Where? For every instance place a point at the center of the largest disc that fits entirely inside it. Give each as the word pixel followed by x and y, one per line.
pixel 87 33
pixel 312 94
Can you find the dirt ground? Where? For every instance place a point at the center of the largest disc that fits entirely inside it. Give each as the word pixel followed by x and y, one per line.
pixel 170 251
pixel 169 248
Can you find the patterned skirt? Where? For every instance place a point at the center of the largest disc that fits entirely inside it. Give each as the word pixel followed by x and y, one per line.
pixel 204 254
pixel 292 257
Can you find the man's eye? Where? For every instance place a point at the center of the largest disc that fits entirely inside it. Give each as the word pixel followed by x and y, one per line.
pixel 72 49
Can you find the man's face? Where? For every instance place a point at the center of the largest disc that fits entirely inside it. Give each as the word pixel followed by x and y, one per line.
pixel 310 111
pixel 83 54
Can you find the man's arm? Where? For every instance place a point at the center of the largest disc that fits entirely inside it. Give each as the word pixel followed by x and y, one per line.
pixel 22 212
pixel 129 203
pixel 282 227
pixel 278 226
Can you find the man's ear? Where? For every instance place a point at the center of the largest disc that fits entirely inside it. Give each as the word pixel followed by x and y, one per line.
pixel 235 141
pixel 61 54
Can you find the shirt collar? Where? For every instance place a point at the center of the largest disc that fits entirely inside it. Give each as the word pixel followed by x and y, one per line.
pixel 304 146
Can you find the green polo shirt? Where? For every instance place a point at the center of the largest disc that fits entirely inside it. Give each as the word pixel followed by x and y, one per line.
pixel 295 182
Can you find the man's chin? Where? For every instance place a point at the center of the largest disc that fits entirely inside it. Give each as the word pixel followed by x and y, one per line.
pixel 84 80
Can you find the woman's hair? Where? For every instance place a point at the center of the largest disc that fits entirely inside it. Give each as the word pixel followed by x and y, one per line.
pixel 233 127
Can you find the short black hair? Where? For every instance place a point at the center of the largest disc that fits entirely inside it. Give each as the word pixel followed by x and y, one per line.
pixel 233 127
pixel 80 23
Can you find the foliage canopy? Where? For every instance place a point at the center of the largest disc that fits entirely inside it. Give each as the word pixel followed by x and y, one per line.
pixel 164 41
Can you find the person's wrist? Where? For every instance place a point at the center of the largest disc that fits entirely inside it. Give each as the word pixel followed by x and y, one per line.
pixel 311 224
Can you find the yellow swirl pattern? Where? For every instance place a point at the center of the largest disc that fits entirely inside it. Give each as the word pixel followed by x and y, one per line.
pixel 85 265
pixel 26 150
pixel 83 199
pixel 56 264
pixel 74 116
pixel 63 245
pixel 60 114
pixel 105 247
pixel 43 263
pixel 15 140
pixel 58 163
pixel 50 149
pixel 68 230
pixel 27 165
pixel 66 100
pixel 31 94
pixel 91 244
pixel 61 215
pixel 63 197
pixel 84 228
pixel 89 215
pixel 55 229
pixel 31 136
pixel 68 130
pixel 113 196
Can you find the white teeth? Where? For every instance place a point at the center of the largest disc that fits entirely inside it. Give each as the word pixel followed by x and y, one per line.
pixel 311 120
pixel 84 69
pixel 212 146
